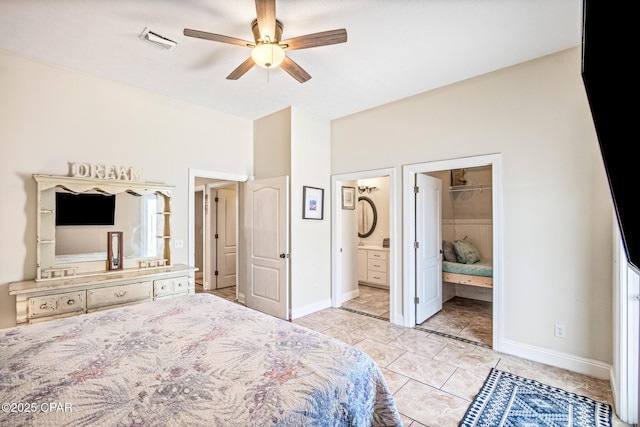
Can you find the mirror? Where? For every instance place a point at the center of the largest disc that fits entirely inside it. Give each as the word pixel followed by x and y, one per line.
pixel 367 217
pixel 135 216
pixel 73 232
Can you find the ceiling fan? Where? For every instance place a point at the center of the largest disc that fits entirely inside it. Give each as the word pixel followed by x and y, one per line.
pixel 268 48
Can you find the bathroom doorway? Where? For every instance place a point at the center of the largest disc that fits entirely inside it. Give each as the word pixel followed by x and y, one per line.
pixel 372 236
pixel 355 286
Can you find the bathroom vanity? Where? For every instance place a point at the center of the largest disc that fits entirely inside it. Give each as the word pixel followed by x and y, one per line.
pixel 373 266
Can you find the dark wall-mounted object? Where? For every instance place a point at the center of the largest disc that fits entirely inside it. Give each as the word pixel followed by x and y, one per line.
pixel 611 83
pixel 85 209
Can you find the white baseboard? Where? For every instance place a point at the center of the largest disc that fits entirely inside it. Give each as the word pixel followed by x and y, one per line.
pixel 569 362
pixel 350 295
pixel 311 308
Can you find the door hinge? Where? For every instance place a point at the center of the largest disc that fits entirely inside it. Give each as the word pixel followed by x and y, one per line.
pixel 416 245
pixel 416 189
pixel 215 273
pixel 216 199
pixel 416 300
pixel 215 236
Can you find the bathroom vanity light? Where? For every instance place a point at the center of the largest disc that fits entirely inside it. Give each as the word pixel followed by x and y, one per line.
pixel 363 188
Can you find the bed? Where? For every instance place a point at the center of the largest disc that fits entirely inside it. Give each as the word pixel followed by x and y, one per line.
pixel 479 273
pixel 463 264
pixel 194 360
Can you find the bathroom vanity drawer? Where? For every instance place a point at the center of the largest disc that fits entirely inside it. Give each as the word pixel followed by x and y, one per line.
pixel 377 278
pixel 379 255
pixel 377 265
pixel 52 305
pixel 170 287
pixel 117 295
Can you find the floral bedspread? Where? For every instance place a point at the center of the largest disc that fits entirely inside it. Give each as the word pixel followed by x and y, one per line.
pixel 196 360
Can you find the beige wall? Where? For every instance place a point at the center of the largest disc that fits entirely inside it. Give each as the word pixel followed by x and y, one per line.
pixel 557 208
pixel 310 239
pixel 294 143
pixel 272 145
pixel 51 116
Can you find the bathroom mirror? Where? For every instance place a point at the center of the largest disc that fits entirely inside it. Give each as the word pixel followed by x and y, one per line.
pixel 367 217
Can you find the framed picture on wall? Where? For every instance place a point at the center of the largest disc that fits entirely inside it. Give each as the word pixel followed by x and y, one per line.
pixel 313 202
pixel 348 197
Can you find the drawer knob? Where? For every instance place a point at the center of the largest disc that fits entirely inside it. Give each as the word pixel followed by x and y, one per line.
pixel 163 287
pixel 71 302
pixel 44 306
pixel 120 294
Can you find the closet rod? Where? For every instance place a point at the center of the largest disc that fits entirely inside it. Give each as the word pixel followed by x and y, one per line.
pixel 469 187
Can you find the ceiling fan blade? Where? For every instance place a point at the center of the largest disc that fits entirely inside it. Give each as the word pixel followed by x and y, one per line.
pixel 217 38
pixel 323 38
pixel 241 69
pixel 266 16
pixel 294 70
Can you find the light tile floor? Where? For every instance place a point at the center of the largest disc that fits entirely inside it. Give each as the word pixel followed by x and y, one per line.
pixel 434 378
pixel 460 317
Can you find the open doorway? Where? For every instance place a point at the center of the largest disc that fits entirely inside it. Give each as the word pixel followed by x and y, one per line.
pixel 214 232
pixel 492 245
pixel 371 208
pixel 461 218
pixel 364 256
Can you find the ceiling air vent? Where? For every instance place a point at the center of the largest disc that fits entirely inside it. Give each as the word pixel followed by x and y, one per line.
pixel 157 39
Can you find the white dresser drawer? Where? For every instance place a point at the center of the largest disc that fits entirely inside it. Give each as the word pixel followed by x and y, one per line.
pixel 377 265
pixel 52 305
pixel 380 255
pixel 377 277
pixel 170 287
pixel 116 295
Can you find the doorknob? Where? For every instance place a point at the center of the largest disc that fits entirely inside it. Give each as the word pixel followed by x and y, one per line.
pixel 283 256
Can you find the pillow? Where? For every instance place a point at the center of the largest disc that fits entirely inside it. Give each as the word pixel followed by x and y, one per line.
pixel 448 251
pixel 466 252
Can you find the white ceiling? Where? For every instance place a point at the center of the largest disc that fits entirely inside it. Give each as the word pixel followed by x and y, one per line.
pixel 395 48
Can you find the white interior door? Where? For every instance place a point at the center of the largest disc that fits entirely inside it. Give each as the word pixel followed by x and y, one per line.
pixel 429 242
pixel 226 238
pixel 266 225
pixel 199 232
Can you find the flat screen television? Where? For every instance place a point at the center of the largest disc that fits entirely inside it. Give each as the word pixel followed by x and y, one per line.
pixel 85 209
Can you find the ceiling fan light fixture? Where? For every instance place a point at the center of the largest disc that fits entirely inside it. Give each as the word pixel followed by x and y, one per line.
pixel 267 55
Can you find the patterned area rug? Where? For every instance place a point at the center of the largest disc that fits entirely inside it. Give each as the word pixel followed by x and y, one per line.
pixel 512 401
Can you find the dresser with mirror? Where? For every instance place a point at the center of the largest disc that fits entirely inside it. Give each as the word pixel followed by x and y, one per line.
pixel 100 243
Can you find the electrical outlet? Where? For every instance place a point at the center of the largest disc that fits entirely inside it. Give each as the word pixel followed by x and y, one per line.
pixel 178 244
pixel 560 330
